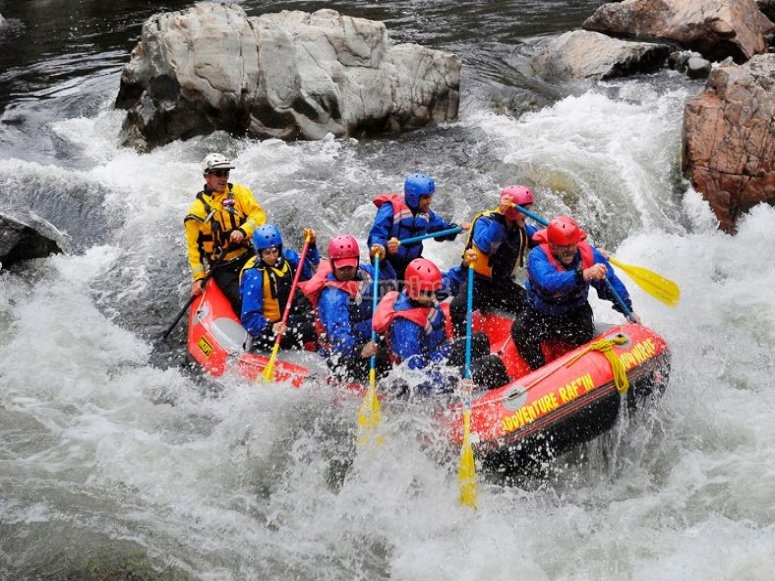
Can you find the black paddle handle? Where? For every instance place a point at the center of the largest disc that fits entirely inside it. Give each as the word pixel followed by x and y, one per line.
pixel 179 316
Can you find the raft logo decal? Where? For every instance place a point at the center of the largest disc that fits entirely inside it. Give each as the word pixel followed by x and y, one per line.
pixel 548 403
pixel 204 346
pixel 527 414
pixel 640 353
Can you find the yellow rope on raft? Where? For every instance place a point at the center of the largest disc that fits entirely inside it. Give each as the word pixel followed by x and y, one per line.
pixel 605 346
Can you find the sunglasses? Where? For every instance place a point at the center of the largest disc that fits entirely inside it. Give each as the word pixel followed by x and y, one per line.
pixel 219 173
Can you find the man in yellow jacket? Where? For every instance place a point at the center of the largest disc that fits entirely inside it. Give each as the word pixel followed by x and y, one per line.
pixel 221 219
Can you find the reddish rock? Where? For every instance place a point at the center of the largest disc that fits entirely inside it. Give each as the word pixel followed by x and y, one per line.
pixel 717 29
pixel 729 138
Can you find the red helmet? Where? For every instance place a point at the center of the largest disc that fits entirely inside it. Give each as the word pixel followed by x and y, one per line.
pixel 520 195
pixel 343 251
pixel 421 275
pixel 563 231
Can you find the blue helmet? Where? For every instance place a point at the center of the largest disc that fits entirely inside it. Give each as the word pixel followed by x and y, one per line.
pixel 416 185
pixel 266 236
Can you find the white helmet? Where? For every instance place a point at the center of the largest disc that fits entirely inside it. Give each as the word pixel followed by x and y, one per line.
pixel 216 161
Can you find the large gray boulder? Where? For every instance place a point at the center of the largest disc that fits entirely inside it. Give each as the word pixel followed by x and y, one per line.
pixel 582 54
pixel 717 29
pixel 288 75
pixel 729 138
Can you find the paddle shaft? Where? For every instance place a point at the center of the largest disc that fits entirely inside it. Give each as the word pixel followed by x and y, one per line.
pixel 294 285
pixel 530 214
pixel 369 411
pixel 268 373
pixel 469 320
pixel 179 315
pixel 447 232
pixel 374 301
pixel 467 464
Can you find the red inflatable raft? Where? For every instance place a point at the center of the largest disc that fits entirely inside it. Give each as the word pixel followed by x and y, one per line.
pixel 574 398
pixel 217 341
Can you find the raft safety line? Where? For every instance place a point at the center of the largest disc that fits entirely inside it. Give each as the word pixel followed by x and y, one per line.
pixel 606 347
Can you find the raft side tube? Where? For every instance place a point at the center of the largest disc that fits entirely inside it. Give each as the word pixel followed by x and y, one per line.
pixel 568 401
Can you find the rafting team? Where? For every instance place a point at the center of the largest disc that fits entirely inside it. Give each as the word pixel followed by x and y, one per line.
pixel 226 230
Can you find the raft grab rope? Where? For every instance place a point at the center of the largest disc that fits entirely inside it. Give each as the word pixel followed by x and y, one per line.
pixel 606 347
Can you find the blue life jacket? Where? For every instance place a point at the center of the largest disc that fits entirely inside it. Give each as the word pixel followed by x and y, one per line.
pixel 397 220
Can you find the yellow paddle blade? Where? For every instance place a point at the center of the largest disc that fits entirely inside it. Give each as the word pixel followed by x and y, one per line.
pixel 657 286
pixel 268 374
pixel 369 413
pixel 467 468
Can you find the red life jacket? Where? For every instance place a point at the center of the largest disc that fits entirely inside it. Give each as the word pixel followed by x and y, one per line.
pixel 400 210
pixel 386 312
pixel 587 257
pixel 314 286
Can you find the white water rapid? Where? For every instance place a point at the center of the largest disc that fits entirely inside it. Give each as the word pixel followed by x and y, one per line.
pixel 118 459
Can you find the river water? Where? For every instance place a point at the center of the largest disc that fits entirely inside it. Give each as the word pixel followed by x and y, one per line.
pixel 118 461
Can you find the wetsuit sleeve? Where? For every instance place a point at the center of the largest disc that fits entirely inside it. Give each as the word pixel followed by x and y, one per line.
pixel 195 258
pixel 387 282
pixel 530 230
pixel 406 340
pixel 252 290
pixel 383 224
pixel 249 206
pixel 451 282
pixel 292 257
pixel 363 328
pixel 487 234
pixel 311 262
pixel 437 224
pixel 386 271
pixel 335 317
pixel 440 354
